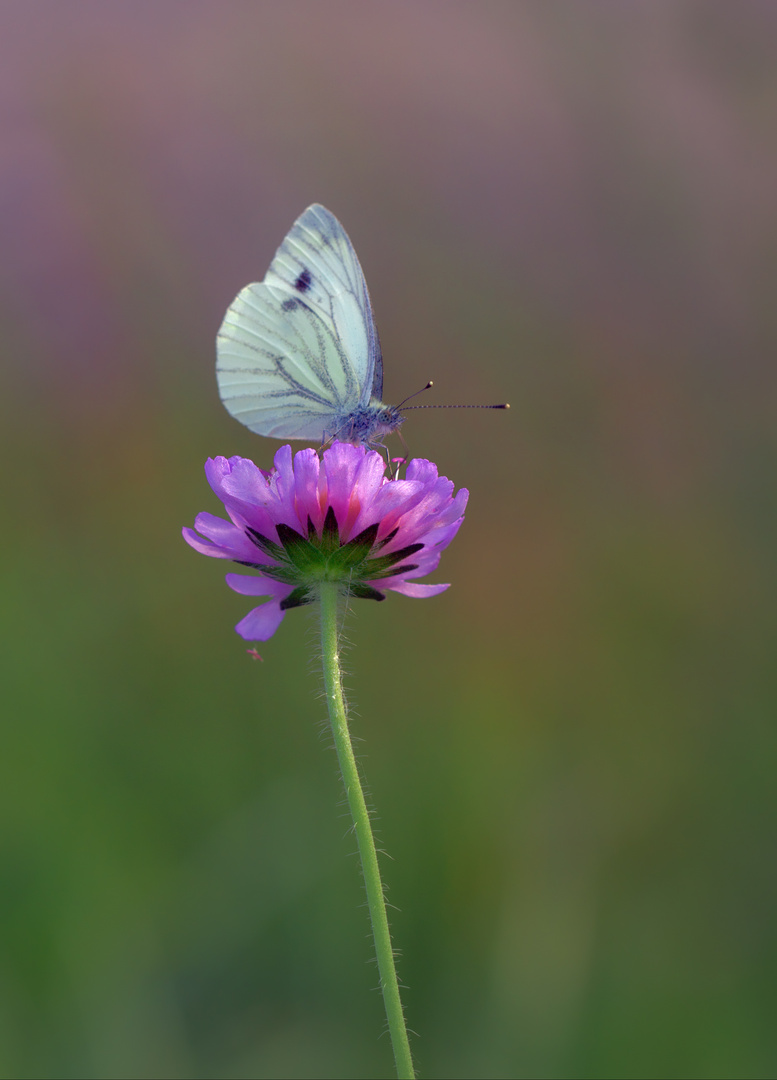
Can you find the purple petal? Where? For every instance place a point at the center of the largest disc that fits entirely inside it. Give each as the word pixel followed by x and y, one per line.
pixel 283 478
pixel 370 481
pixel 261 500
pixel 419 592
pixel 421 469
pixel 216 529
pixel 341 466
pixel 387 506
pixel 282 505
pixel 306 473
pixel 425 562
pixel 237 479
pixel 222 540
pixel 456 508
pixel 261 623
pixel 231 536
pixel 435 510
pixel 438 538
pixel 257 585
pixel 205 547
pixel 237 548
pixel 243 488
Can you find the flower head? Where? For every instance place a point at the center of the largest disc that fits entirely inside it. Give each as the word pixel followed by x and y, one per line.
pixel 338 518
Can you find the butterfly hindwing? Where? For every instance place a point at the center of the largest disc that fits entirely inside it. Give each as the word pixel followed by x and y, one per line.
pixel 281 372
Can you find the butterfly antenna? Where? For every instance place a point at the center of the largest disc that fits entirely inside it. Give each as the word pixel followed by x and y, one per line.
pixel 504 406
pixel 428 386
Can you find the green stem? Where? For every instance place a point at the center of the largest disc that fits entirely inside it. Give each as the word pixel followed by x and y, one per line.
pixel 361 823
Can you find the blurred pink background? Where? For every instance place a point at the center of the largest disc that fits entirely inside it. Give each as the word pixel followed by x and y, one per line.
pixel 567 206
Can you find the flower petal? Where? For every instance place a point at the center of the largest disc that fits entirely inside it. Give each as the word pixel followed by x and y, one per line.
pixel 238 480
pixel 421 469
pixel 341 463
pixel 235 546
pixel 261 623
pixel 387 506
pixel 307 503
pixel 260 499
pixel 282 477
pixel 205 547
pixel 419 592
pixel 439 538
pixel 223 540
pixel 257 585
pixel 436 509
pixel 354 476
pixel 245 491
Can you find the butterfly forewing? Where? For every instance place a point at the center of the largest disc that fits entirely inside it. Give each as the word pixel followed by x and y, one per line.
pixel 318 263
pixel 299 351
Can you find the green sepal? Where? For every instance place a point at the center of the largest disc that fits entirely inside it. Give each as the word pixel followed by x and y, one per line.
pixel 298 598
pixel 366 592
pixel 267 546
pixel 330 534
pixel 387 539
pixel 302 561
pixel 366 536
pixel 287 575
pixel 298 549
pixel 393 570
pixel 356 551
pixel 378 567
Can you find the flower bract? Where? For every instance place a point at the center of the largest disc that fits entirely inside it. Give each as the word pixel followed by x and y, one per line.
pixel 335 518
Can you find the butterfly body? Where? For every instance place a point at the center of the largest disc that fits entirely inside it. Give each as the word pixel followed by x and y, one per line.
pixel 366 424
pixel 298 355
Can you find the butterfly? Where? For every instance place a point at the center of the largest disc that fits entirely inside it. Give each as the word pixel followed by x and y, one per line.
pixel 297 355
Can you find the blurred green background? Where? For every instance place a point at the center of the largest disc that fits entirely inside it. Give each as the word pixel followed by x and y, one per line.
pixel 568 206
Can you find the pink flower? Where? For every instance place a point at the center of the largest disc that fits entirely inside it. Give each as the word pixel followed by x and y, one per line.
pixel 339 519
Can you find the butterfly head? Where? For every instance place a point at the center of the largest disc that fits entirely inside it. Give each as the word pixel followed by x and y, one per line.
pixel 367 424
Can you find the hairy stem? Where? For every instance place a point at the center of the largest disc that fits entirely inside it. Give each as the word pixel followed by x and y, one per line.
pixel 361 822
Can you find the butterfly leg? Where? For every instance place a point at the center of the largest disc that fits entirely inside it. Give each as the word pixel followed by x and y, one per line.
pixel 382 449
pixel 404 460
pixel 326 437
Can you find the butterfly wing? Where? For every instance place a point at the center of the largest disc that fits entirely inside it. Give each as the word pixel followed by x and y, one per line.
pixel 299 351
pixel 317 259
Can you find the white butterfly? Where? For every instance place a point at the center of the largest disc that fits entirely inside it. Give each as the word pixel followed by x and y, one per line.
pixel 298 355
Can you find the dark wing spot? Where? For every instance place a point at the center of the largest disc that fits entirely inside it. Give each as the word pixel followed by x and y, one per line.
pixel 287 305
pixel 303 281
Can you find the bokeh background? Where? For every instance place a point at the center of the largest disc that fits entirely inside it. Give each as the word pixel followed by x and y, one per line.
pixel 572 752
